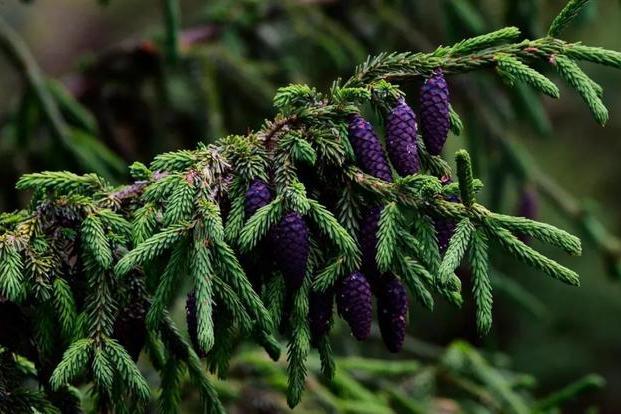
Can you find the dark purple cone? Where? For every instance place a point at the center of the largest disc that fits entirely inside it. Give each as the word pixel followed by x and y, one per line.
pixel 129 328
pixel 191 320
pixel 434 112
pixel 528 207
pixel 367 237
pixel 444 231
pixel 320 313
pixel 401 139
pixel 354 304
pixel 368 149
pixel 292 246
pixel 392 312
pixel 257 196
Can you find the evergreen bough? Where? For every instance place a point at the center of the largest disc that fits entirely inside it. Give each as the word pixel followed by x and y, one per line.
pixel 73 255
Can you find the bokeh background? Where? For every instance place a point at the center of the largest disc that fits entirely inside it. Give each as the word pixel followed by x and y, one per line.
pixel 237 52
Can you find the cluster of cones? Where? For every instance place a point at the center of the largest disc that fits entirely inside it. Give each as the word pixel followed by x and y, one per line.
pixel 289 241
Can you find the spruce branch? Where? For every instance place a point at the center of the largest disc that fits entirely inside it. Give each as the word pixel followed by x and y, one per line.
pixel 481 285
pixel 75 360
pixel 299 346
pixel 176 267
pixel 151 248
pixel 541 231
pixel 202 274
pixel 127 369
pixel 64 304
pixel 457 125
pixel 464 174
pixel 515 70
pixel 589 91
pixel 597 55
pixel 387 236
pixel 188 210
pixel 531 257
pixel 569 13
pixel 96 241
pixel 259 224
pixel 11 277
pixel 456 249
pixel 329 225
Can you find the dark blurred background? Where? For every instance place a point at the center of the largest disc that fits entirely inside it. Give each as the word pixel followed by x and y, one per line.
pixel 235 54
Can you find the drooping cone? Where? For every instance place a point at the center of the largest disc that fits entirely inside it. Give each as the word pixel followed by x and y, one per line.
pixel 392 312
pixel 257 264
pixel 368 149
pixel 258 195
pixel 401 139
pixel 444 231
pixel 434 112
pixel 191 319
pixel 367 237
pixel 129 328
pixel 292 247
pixel 321 305
pixel 354 304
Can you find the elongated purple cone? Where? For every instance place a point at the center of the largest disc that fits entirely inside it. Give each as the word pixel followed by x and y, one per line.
pixel 354 304
pixel 292 247
pixel 444 231
pixel 368 149
pixel 129 328
pixel 191 319
pixel 392 312
pixel 401 139
pixel 258 195
pixel 434 112
pixel 321 306
pixel 367 237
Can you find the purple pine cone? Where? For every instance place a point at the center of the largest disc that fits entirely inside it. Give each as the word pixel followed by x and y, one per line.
pixel 368 149
pixel 320 313
pixel 292 246
pixel 257 196
pixel 444 231
pixel 434 112
pixel 191 319
pixel 401 139
pixel 354 304
pixel 392 312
